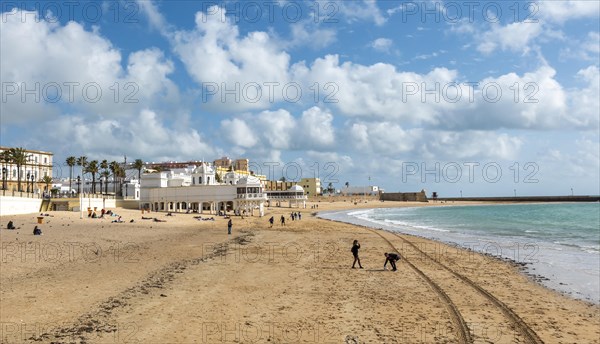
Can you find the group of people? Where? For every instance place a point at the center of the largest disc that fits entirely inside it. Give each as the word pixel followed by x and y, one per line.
pixel 36 230
pixel 293 216
pixel 391 258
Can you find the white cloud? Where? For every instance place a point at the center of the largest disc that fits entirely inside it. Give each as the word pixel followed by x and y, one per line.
pixel 234 61
pixel 308 33
pixel 239 133
pixel 564 10
pixel 76 70
pixel 390 140
pixel 279 130
pixel 360 11
pixel 515 37
pixel 382 44
pixel 316 126
pixel 143 135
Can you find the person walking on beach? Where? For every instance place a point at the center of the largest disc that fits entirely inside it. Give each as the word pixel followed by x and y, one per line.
pixel 271 220
pixel 282 220
pixel 229 225
pixel 392 258
pixel 355 248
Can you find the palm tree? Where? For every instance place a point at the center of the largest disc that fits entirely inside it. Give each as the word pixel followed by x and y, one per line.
pixel 71 161
pixel 121 174
pixel 114 167
pixel 6 159
pixel 19 157
pixel 47 180
pixel 104 167
pixel 82 162
pixel 105 174
pixel 139 165
pixel 92 168
pixel 330 188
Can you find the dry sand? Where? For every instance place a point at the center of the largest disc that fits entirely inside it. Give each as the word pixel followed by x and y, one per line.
pixel 187 281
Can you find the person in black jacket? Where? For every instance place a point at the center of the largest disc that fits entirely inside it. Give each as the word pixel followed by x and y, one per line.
pixel 355 248
pixel 392 258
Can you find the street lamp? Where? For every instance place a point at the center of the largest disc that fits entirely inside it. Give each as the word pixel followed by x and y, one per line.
pixel 572 192
pixel 460 193
pixel 32 180
pixel 79 196
pixel 27 182
pixel 4 171
pixel 515 190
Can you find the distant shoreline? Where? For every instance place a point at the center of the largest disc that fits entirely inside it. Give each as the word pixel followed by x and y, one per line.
pixel 523 199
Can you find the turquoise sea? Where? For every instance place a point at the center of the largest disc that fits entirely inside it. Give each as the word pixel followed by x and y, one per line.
pixel 559 241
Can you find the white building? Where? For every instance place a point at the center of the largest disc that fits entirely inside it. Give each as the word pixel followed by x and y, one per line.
pixel 294 196
pixel 371 190
pixel 199 191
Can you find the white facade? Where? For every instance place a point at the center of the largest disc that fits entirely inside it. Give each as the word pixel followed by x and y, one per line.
pixel 294 196
pixel 38 165
pixel 198 191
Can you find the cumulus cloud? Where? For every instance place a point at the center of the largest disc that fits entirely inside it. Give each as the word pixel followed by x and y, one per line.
pixel 515 37
pixel 235 62
pixel 67 67
pixel 280 130
pixel 391 140
pixel 143 135
pixel 562 11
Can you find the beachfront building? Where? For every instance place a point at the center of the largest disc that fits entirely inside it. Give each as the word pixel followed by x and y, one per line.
pixel 37 166
pixel 197 190
pixel 294 196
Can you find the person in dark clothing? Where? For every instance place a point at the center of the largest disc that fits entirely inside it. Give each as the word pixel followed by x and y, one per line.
pixel 282 220
pixel 271 220
pixel 355 248
pixel 37 231
pixel 392 258
pixel 229 225
pixel 10 225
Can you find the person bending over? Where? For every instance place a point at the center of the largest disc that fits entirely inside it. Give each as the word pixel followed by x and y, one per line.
pixel 392 258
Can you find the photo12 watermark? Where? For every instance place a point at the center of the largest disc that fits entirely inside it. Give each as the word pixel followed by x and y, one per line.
pixel 69 92
pixel 325 12
pixel 92 12
pixel 269 91
pixel 454 12
pixel 471 172
pixel 111 332
pixel 67 252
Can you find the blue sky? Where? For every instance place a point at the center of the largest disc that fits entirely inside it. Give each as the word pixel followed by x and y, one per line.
pixel 480 97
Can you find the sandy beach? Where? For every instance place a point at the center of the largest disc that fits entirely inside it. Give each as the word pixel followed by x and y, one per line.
pixel 187 281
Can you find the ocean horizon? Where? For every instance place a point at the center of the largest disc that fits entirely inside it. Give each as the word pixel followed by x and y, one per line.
pixel 558 243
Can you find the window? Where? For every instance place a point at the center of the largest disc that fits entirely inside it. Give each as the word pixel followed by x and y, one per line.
pixel 45 160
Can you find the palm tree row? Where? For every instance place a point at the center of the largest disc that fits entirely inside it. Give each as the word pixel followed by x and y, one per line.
pixel 102 170
pixel 17 157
